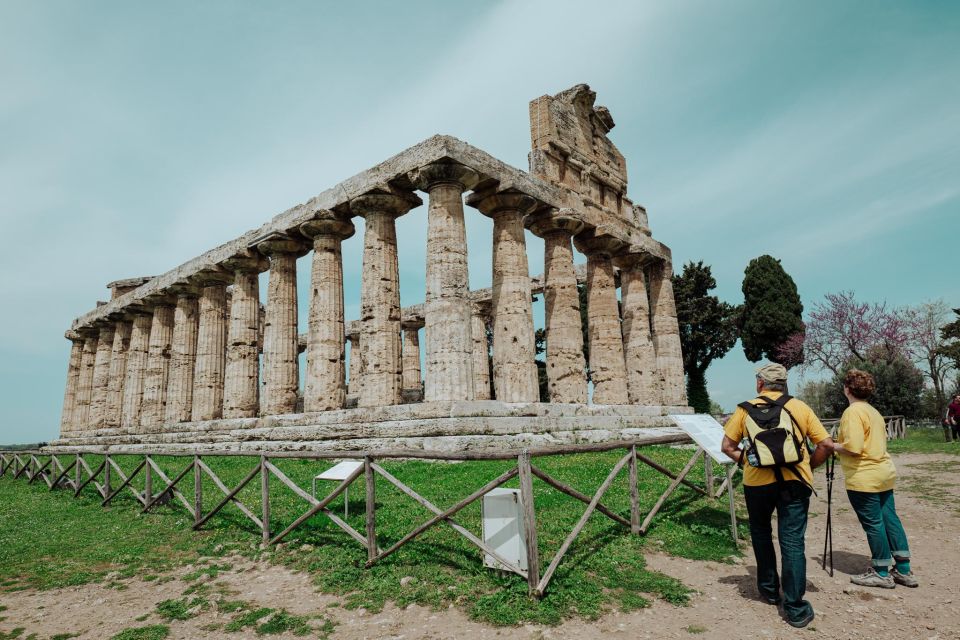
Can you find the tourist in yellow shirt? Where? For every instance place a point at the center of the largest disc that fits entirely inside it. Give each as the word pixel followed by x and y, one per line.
pixel 870 475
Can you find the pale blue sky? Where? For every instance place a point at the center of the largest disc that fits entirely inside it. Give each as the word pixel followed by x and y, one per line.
pixel 134 136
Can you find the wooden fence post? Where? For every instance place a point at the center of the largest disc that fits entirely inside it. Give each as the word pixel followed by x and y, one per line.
pixel 265 499
pixel 105 490
pixel 529 521
pixel 197 490
pixel 148 481
pixel 634 493
pixel 77 471
pixel 370 479
pixel 708 473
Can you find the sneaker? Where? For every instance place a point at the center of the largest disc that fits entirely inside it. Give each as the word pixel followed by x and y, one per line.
pixel 905 579
pixel 802 622
pixel 873 579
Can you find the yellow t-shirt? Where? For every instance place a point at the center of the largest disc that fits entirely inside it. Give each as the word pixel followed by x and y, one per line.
pixel 864 432
pixel 807 424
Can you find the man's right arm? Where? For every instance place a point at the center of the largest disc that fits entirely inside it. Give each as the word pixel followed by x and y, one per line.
pixel 821 453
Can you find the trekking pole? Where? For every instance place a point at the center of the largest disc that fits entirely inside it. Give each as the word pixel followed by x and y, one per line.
pixel 828 538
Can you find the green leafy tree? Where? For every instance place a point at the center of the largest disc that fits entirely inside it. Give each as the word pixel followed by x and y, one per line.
pixel 772 312
pixel 900 384
pixel 708 328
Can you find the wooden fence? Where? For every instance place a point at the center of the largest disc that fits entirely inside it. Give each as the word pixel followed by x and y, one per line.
pixel 896 426
pixel 72 471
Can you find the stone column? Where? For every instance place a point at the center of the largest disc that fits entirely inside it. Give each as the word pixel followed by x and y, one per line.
pixel 73 378
pixel 241 391
pixel 136 368
pixel 566 368
pixel 325 386
pixel 356 367
pixel 411 361
pixel 666 335
pixel 607 367
pixel 514 349
pixel 183 355
pixel 380 296
pixel 118 372
pixel 158 365
pixel 447 308
pixel 481 351
pixel 208 370
pixel 281 369
pixel 85 381
pixel 101 377
pixel 639 355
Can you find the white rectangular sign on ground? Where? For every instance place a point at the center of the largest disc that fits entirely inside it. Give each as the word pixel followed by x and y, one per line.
pixel 706 432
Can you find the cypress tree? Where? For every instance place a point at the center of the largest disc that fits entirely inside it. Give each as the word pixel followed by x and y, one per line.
pixel 772 311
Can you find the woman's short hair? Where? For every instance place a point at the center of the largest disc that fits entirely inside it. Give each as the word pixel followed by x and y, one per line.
pixel 860 383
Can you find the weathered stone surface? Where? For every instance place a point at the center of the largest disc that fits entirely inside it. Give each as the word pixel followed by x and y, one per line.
pixel 514 369
pixel 481 352
pixel 640 357
pixel 325 386
pixel 210 364
pixel 566 367
pixel 136 369
pixel 158 367
pixel 183 357
pixel 118 373
pixel 101 377
pixel 73 378
pixel 411 358
pixel 380 346
pixel 241 387
pixel 447 309
pixel 356 366
pixel 666 334
pixel 85 383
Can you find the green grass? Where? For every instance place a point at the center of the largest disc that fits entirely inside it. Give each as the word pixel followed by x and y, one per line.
pixel 152 632
pixel 49 539
pixel 923 440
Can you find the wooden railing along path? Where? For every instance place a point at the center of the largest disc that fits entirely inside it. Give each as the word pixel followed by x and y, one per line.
pixel 896 426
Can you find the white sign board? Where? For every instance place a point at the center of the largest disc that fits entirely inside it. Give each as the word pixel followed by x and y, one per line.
pixel 706 432
pixel 341 471
pixel 503 528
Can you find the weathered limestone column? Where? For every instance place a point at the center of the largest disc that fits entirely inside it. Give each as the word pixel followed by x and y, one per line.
pixel 666 335
pixel 241 391
pixel 136 368
pixel 411 358
pixel 607 366
pixel 208 370
pixel 481 351
pixel 101 377
pixel 356 367
pixel 639 354
pixel 566 368
pixel 325 386
pixel 183 355
pixel 118 372
pixel 73 378
pixel 514 349
pixel 85 381
pixel 447 308
pixel 158 364
pixel 380 346
pixel 281 369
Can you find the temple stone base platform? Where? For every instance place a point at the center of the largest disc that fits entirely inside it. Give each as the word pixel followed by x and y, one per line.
pixel 432 426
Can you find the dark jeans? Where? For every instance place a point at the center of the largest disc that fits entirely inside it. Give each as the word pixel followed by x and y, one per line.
pixel 885 535
pixel 791 506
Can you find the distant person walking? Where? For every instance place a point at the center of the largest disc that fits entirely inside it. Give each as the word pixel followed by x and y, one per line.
pixel 778 478
pixel 952 420
pixel 870 476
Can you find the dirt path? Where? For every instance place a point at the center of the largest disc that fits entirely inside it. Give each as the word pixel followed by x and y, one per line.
pixel 928 501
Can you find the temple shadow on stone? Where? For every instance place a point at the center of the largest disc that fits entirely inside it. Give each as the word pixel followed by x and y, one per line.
pixel 190 360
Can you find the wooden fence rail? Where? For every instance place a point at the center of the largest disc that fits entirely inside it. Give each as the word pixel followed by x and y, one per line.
pixel 896 426
pixel 74 472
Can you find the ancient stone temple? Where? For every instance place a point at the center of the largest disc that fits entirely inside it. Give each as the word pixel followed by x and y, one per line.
pixel 200 359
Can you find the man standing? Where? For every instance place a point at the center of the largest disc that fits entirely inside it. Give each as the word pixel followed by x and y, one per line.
pixel 952 420
pixel 784 489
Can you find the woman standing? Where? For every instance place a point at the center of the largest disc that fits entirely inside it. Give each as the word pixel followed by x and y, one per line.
pixel 869 474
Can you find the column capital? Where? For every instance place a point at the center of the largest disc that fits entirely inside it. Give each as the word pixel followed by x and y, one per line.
pixel 211 276
pixel 184 289
pixel 412 325
pixel 599 244
pixel 490 202
pixel 437 173
pixel 247 261
pixel 631 260
pixel 327 223
pixel 73 336
pixel 280 243
pixel 384 200
pixel 544 222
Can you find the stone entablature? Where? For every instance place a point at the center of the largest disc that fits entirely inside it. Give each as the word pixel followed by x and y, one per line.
pixel 194 346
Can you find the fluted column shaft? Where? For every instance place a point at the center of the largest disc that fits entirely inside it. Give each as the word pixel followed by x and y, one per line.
pixel 241 393
pixel 666 335
pixel 118 373
pixel 208 371
pixel 640 357
pixel 447 307
pixel 101 377
pixel 566 368
pixel 281 367
pixel 356 367
pixel 607 367
pixel 158 367
pixel 481 356
pixel 85 383
pixel 183 358
pixel 325 386
pixel 136 368
pixel 411 358
pixel 73 379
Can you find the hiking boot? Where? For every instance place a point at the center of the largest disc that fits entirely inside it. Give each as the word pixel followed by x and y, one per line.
pixel 873 579
pixel 905 579
pixel 802 622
